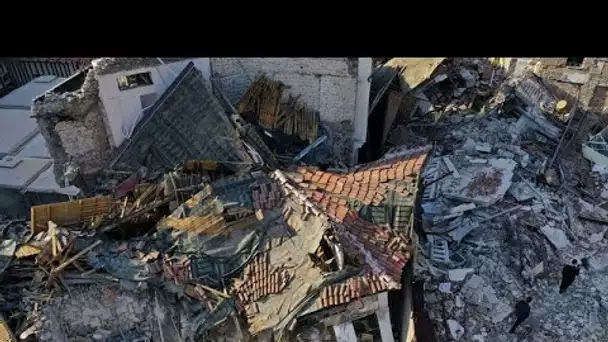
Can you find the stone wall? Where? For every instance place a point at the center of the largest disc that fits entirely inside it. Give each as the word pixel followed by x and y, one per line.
pixel 327 85
pixel 73 125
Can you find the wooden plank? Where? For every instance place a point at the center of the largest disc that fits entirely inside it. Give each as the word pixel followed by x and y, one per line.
pixel 69 213
pixel 6 335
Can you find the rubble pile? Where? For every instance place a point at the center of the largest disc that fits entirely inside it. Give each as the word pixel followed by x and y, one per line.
pixel 220 250
pixel 500 228
pixel 255 234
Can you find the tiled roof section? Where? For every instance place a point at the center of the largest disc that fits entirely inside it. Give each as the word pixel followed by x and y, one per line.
pixel 371 185
pixel 260 280
pixel 351 289
pixel 384 252
pixel 381 248
pixel 186 122
pixel 281 274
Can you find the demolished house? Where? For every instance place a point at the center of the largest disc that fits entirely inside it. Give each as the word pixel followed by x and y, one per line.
pixel 89 119
pixel 223 214
pixel 206 248
pixel 288 254
pixel 509 201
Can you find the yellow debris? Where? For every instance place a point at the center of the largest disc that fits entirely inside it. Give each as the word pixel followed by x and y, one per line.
pixel 25 251
pixel 561 105
pixel 5 332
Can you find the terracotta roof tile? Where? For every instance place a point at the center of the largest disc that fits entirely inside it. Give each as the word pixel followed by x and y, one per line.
pixel 259 280
pixel 317 176
pixel 351 290
pixel 324 178
pixel 383 251
pixel 307 176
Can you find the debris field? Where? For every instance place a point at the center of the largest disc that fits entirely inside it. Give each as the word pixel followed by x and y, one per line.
pixel 481 195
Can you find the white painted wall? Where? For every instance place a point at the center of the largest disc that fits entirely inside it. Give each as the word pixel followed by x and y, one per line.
pixel 360 119
pixel 327 85
pixel 124 109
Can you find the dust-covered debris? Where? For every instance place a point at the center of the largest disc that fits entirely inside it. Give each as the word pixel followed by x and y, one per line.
pixel 535 218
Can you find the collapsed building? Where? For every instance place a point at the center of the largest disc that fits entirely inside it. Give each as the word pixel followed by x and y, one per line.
pixel 206 248
pixel 268 199
pixel 96 111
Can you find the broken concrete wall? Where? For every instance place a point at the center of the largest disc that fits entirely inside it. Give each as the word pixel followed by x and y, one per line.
pixel 564 80
pixel 327 85
pixel 73 124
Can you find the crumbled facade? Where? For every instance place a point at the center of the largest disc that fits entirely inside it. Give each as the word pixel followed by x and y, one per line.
pixel 71 119
pixel 84 124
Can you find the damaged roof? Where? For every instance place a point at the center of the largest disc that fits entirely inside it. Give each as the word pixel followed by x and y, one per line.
pixel 111 65
pixel 271 227
pixel 187 122
pixel 22 97
pixel 382 184
pixel 416 70
pixel 281 276
pixel 316 203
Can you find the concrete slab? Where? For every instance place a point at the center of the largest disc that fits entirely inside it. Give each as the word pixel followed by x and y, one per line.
pixel 483 185
pixel 521 191
pixel 456 330
pixel 459 274
pixel 557 237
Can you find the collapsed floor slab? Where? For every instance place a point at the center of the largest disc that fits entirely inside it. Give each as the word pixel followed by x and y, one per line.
pixel 481 185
